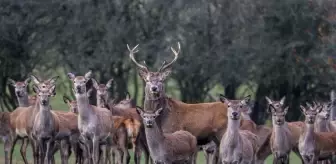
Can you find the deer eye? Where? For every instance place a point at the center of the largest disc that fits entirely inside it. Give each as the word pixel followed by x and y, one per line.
pixel 241 106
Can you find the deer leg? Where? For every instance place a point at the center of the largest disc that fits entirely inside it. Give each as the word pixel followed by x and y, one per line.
pixel 49 152
pixel 137 151
pixel 95 150
pixel 7 148
pixel 11 150
pixel 23 149
pixel 65 151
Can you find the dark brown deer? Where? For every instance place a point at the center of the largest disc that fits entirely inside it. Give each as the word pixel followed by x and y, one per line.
pixel 206 121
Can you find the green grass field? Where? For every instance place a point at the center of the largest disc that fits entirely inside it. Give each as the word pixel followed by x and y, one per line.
pixel 18 160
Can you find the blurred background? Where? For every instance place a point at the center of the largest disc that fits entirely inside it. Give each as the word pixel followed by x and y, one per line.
pixel 259 47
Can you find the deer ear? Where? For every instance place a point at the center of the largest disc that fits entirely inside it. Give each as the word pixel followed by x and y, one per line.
pixel 109 83
pixel 52 90
pixel 71 76
pixel 303 109
pixel 11 82
pixel 158 112
pixel 286 110
pixel 165 73
pixel 27 81
pixel 139 110
pixel 269 101
pixel 223 99
pixel 35 79
pixel 246 100
pixel 36 89
pixel 53 80
pixel 143 74
pixel 89 92
pixel 128 96
pixel 95 83
pixel 66 99
pixel 282 101
pixel 88 75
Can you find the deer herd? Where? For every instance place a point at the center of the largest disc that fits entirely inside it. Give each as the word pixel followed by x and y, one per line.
pixel 165 130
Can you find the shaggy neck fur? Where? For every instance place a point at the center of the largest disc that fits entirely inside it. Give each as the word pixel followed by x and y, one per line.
pixel 45 116
pixel 23 101
pixel 155 139
pixel 84 108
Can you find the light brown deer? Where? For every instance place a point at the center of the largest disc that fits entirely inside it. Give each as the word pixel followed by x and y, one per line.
pixel 21 92
pixel 285 136
pixel 167 148
pixel 95 124
pixel 22 119
pixel 102 98
pixel 237 146
pixel 315 146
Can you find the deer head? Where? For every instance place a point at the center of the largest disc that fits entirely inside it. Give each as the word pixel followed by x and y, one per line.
pixel 44 94
pixel 278 111
pixel 32 99
pixel 102 89
pixel 79 83
pixel 148 117
pixel 154 80
pixel 72 104
pixel 20 87
pixel 311 112
pixel 235 107
pixel 325 112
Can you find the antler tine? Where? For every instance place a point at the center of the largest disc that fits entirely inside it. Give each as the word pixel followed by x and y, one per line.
pixel 163 64
pixel 175 58
pixel 309 105
pixel 131 55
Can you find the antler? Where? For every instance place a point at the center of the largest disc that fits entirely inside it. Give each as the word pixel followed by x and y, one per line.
pixel 164 66
pixel 132 52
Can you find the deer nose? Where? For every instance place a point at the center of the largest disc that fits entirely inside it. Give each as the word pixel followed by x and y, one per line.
pixel 154 88
pixel 17 92
pixel 44 102
pixel 234 114
pixel 327 115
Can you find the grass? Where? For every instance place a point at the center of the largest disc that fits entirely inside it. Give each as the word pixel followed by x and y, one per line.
pixel 201 160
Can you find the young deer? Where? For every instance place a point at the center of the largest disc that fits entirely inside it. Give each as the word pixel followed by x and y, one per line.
pixel 313 145
pixel 284 136
pixel 95 124
pixel 167 148
pixel 45 128
pixel 21 92
pixel 121 136
pixel 237 146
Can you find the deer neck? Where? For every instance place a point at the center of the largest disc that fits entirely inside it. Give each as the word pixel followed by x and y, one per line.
pixel 280 134
pixel 233 127
pixel 83 106
pixel 153 104
pixel 308 133
pixel 36 109
pixel 23 101
pixel 155 138
pixel 322 125
pixel 101 101
pixel 45 112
